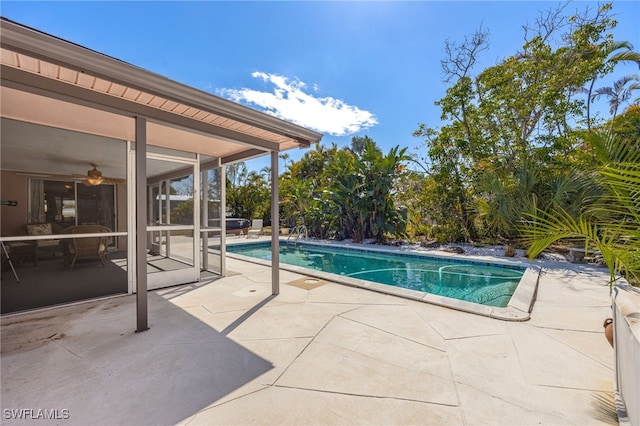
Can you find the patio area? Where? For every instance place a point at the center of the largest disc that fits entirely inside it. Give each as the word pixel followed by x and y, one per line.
pixel 227 352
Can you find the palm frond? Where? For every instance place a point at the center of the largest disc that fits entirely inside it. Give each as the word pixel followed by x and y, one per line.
pixel 610 222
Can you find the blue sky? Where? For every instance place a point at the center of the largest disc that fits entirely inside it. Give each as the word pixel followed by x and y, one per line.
pixel 342 68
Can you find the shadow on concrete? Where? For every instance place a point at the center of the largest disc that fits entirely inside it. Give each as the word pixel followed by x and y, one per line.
pixel 87 359
pixel 246 316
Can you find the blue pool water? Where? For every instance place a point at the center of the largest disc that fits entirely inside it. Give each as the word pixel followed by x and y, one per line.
pixel 481 283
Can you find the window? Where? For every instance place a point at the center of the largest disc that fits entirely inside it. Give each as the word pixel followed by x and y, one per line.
pixel 69 203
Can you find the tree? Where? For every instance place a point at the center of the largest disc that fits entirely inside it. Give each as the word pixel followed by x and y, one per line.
pixel 511 120
pixel 295 201
pixel 358 144
pixel 381 173
pixel 309 171
pixel 284 157
pixel 618 94
pixel 616 52
pixel 336 192
pixel 609 224
pixel 247 193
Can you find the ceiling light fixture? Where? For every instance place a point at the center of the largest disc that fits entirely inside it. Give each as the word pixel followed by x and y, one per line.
pixel 94 177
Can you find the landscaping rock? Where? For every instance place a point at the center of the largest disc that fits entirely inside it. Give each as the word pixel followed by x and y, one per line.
pixel 430 244
pixel 454 249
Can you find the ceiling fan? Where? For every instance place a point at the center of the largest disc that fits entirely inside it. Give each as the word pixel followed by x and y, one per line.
pixel 94 177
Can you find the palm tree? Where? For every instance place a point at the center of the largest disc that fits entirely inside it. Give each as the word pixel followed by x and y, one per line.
pixel 625 53
pixel 619 93
pixel 284 157
pixel 609 223
pixel 359 143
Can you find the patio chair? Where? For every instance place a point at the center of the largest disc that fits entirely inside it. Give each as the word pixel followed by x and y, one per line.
pixel 44 246
pixel 256 228
pixel 86 247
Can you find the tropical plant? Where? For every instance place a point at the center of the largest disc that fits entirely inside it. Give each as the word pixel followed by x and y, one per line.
pixel 508 132
pixel 620 92
pixel 616 52
pixel 379 173
pixel 358 144
pixel 609 223
pixel 247 193
pixel 284 157
pixel 302 191
pixel 295 201
pixel 346 193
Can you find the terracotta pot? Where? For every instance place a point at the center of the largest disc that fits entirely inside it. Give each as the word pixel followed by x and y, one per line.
pixel 608 330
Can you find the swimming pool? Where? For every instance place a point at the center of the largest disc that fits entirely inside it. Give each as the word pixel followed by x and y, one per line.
pixel 482 283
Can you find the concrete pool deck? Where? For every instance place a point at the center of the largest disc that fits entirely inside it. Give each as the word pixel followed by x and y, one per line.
pixel 227 352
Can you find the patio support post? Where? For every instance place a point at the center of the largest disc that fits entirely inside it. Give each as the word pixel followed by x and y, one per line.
pixel 223 222
pixel 275 226
pixel 204 219
pixel 141 225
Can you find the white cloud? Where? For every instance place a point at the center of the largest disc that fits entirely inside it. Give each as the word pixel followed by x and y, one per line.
pixel 290 102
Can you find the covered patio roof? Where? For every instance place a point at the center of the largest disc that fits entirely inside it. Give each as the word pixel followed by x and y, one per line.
pixel 52 82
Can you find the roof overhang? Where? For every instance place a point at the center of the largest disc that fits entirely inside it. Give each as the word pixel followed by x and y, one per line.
pixel 49 81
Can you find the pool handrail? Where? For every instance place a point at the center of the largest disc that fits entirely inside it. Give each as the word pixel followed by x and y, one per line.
pixel 299 230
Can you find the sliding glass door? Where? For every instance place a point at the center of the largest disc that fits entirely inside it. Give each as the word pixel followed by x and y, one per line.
pixel 69 203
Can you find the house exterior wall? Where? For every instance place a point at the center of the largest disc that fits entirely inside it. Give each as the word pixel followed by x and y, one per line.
pixel 15 188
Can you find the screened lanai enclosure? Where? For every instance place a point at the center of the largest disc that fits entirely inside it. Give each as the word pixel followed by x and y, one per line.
pixel 112 177
pixel 69 236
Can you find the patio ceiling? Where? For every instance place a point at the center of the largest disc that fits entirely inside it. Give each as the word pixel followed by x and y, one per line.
pixel 50 82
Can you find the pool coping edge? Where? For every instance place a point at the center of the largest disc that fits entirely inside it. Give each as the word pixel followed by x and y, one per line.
pixel 518 309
